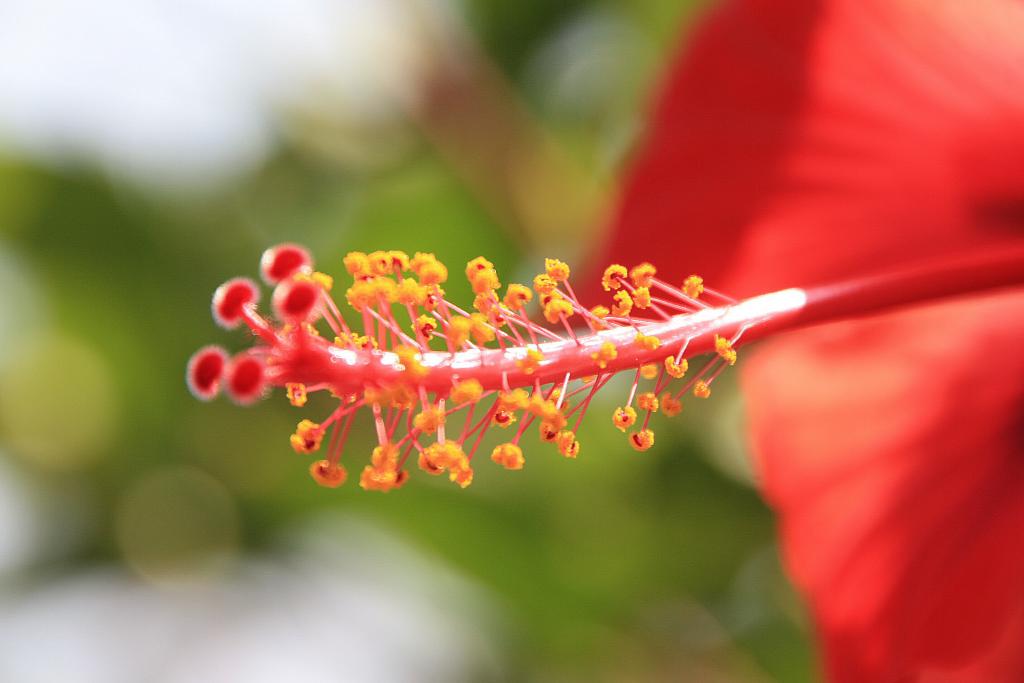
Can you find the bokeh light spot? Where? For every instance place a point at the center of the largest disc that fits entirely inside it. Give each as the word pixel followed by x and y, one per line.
pixel 58 409
pixel 177 524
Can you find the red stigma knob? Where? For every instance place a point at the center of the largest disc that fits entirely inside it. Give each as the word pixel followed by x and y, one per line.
pixel 295 300
pixel 281 262
pixel 246 379
pixel 230 298
pixel 204 372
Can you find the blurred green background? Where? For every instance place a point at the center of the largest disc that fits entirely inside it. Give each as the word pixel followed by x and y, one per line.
pixel 151 150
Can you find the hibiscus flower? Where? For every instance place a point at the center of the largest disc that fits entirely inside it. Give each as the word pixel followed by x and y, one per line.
pixel 810 140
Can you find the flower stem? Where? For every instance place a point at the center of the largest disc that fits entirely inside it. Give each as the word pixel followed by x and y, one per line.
pixel 951 276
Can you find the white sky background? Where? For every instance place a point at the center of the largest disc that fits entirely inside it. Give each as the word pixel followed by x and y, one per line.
pixel 341 601
pixel 185 92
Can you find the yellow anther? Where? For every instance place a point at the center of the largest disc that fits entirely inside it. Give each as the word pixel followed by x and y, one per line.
pixel 325 281
pixel 458 330
pixel 481 275
pixel 361 294
pixel 548 431
pixel 670 406
pixel 531 362
pixel 434 296
pixel 388 262
pixel 428 269
pixel 480 328
pixel 503 418
pixel 376 479
pixel 647 342
pixel 328 475
pixel 723 347
pixel 613 276
pixel 544 284
pixel 693 286
pixel 604 355
pixel 382 473
pixel 426 463
pixel 380 263
pixel 366 292
pixel 456 457
pixel 385 289
pixel 674 369
pixel 437 457
pixel 642 274
pixel 547 410
pixel 517 296
pixel 477 266
pixel 466 391
pixel 642 440
pixel 567 444
pixel 622 303
pixel 429 419
pixel 497 316
pixel 517 399
pixel 647 401
pixel 485 282
pixel 556 309
pixel 385 456
pixel 410 293
pixel 641 297
pixel 364 342
pixel 623 418
pixel 409 357
pixel 600 311
pixel 485 302
pixel 399 261
pixel 556 270
pixel 701 389
pixel 649 371
pixel 462 475
pixel 508 455
pixel 296 393
pixel 426 325
pixel 357 264
pixel 307 437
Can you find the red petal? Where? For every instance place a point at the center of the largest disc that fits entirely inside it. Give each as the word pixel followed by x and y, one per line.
pixel 810 140
pixel 899 480
pixel 802 141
